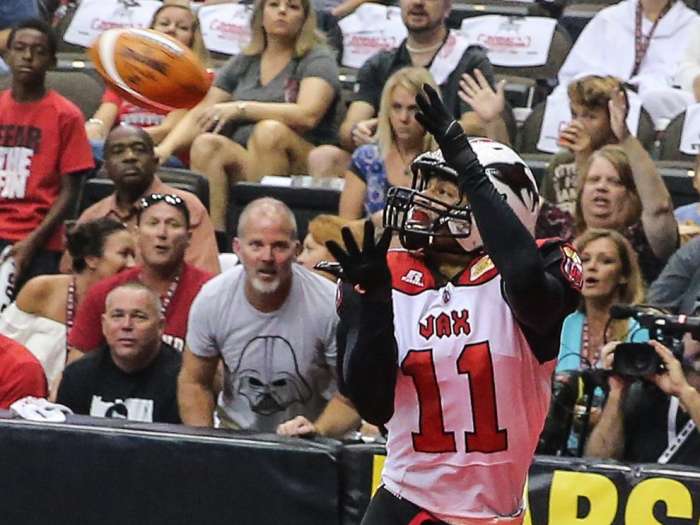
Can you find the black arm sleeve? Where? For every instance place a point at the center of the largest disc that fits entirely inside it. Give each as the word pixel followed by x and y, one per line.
pixel 536 291
pixel 367 355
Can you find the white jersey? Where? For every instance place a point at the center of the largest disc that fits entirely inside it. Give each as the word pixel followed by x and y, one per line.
pixel 470 398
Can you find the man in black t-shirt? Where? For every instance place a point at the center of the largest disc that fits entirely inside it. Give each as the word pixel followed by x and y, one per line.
pixel 447 55
pixel 134 375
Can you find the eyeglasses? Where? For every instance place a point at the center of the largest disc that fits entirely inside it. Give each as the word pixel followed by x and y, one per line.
pixel 155 198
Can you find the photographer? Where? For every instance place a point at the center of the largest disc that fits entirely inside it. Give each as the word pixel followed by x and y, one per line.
pixel 651 421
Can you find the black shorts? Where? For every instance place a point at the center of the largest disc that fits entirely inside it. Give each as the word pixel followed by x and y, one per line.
pixel 387 509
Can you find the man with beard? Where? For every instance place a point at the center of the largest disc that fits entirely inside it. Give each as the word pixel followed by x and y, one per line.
pixel 163 236
pixel 273 324
pixel 453 62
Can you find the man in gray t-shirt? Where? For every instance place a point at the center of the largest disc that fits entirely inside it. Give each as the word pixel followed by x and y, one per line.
pixel 273 324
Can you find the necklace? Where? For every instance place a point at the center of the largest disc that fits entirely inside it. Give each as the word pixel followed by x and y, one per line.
pixel 423 49
pixel 70 308
pixel 168 297
pixel 406 165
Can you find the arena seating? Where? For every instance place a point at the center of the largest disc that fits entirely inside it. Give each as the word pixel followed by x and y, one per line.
pixel 306 203
pixel 528 86
pixel 670 144
pixel 466 8
pixel 576 15
pixel 100 186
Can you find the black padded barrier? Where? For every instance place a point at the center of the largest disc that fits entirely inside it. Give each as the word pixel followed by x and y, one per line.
pixel 100 471
pixel 126 473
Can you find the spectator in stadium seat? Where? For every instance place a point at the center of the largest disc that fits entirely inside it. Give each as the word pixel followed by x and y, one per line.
pixel 179 22
pixel 611 275
pixel 43 153
pixel 639 42
pixel 131 163
pixel 273 324
pixel 134 374
pixel 641 422
pixel 162 237
pixel 375 167
pixel 321 229
pixel 45 308
pixel 622 190
pixel 280 94
pixel 21 374
pixel 589 130
pixel 451 60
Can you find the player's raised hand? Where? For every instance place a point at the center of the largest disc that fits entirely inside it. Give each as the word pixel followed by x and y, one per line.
pixel 448 133
pixel 366 269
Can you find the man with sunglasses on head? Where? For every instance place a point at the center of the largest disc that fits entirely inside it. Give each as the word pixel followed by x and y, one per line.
pixel 163 235
pixel 131 164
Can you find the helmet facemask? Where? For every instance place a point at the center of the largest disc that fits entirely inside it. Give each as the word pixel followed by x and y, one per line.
pixel 423 221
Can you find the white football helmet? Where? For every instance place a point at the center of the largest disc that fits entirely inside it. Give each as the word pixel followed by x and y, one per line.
pixel 420 219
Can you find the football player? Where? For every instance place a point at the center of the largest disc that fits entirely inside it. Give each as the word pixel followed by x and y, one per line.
pixel 452 341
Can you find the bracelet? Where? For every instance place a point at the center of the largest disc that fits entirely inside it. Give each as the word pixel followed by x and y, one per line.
pixel 96 121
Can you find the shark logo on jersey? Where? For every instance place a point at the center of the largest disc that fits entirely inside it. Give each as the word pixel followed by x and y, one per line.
pixel 413 277
pixel 268 375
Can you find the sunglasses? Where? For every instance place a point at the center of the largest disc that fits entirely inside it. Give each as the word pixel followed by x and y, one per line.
pixel 168 198
pixel 155 198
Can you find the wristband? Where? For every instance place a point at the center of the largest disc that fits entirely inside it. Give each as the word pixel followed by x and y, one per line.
pixel 96 121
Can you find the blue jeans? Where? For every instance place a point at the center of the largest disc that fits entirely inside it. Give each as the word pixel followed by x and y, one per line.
pixel 12 12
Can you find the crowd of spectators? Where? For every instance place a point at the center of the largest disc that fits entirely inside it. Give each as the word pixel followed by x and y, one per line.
pixel 142 324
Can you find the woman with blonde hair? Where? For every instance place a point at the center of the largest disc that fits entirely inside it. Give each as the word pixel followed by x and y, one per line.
pixel 625 193
pixel 611 275
pixel 375 168
pixel 173 19
pixel 278 99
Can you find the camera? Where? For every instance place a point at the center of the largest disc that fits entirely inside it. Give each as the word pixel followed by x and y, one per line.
pixel 640 359
pixel 636 360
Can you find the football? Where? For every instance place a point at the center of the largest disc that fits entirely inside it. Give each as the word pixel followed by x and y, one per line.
pixel 149 69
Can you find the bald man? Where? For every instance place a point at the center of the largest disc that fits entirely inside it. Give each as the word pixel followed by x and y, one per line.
pixel 133 375
pixel 272 323
pixel 131 164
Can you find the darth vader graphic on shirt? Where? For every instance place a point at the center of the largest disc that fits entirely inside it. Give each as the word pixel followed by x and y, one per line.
pixel 133 409
pixel 267 375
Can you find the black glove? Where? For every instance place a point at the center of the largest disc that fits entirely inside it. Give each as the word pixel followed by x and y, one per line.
pixel 448 133
pixel 367 268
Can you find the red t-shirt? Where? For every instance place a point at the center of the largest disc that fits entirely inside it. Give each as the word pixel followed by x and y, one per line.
pixel 86 334
pixel 131 114
pixel 39 143
pixel 21 374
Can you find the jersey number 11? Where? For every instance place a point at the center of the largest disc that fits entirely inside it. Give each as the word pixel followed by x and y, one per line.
pixel 475 361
